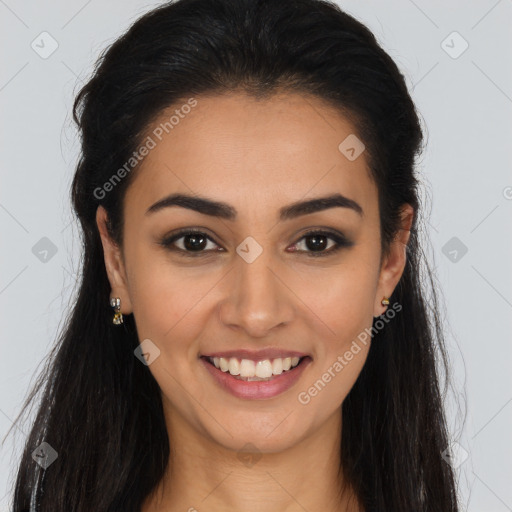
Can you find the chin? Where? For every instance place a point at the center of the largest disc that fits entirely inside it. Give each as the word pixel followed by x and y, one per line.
pixel 271 433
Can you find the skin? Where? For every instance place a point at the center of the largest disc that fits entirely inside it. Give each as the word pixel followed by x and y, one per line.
pixel 257 156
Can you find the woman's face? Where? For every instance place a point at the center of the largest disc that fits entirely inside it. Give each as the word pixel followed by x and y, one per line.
pixel 251 280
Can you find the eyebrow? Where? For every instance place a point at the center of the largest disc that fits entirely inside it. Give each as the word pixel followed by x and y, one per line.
pixel 225 211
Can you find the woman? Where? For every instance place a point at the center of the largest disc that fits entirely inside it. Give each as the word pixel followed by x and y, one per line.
pixel 252 329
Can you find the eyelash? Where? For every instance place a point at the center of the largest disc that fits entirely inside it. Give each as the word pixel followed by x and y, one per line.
pixel 340 240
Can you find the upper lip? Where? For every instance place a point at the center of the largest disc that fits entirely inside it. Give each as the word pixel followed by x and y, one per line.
pixel 257 355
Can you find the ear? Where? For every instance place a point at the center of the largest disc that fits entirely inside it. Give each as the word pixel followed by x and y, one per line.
pixel 393 265
pixel 114 263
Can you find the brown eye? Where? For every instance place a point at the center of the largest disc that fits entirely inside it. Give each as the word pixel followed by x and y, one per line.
pixel 317 241
pixel 193 242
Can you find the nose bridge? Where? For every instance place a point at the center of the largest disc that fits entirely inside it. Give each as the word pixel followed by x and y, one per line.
pixel 257 300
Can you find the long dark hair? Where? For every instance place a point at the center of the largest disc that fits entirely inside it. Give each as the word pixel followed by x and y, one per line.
pixel 100 409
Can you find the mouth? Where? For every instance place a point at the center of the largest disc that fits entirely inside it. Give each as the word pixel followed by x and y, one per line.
pixel 249 370
pixel 256 379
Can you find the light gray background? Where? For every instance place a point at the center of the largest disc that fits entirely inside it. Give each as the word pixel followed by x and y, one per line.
pixel 466 103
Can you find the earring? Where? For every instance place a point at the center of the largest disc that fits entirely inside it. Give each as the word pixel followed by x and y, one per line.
pixel 385 301
pixel 115 302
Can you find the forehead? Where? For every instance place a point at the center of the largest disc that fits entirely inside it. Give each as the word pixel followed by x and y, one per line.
pixel 243 151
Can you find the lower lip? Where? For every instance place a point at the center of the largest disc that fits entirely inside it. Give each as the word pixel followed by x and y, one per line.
pixel 257 390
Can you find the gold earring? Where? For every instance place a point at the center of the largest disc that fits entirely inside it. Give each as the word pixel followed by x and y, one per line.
pixel 115 302
pixel 385 301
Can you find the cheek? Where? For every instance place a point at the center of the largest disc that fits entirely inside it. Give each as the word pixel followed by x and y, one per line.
pixel 342 297
pixel 158 294
pixel 161 301
pixel 345 307
pixel 169 302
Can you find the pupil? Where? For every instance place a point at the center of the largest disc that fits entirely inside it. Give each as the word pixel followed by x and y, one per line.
pixel 198 242
pixel 316 245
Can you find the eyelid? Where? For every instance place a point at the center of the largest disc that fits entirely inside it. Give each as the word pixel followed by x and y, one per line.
pixel 341 241
pixel 168 241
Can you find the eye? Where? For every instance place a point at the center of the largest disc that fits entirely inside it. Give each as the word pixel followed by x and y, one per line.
pixel 195 243
pixel 318 242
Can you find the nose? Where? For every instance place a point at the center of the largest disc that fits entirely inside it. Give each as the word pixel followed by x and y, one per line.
pixel 258 298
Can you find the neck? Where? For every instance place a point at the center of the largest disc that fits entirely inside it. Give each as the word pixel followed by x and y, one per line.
pixel 203 475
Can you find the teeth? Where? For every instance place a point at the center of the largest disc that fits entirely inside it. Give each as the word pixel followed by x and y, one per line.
pixel 263 369
pixel 234 366
pixel 247 369
pixel 277 366
pixel 224 364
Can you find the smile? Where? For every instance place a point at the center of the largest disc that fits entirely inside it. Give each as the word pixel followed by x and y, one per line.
pixel 249 370
pixel 255 380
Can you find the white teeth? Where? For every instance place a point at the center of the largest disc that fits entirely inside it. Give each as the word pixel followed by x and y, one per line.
pixel 277 366
pixel 224 364
pixel 234 366
pixel 263 369
pixel 249 369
